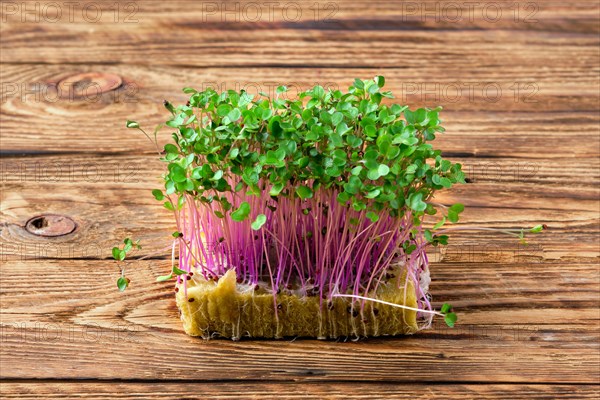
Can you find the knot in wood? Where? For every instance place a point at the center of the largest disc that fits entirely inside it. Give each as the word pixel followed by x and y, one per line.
pixel 88 85
pixel 50 225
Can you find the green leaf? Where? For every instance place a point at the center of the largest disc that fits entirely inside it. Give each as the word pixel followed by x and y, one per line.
pixel 373 174
pixel 171 148
pixel 259 221
pixel 132 125
pixel 409 249
pixel 537 229
pixel 353 141
pixel 373 193
pixel 223 110
pixel 336 118
pixel 336 139
pixel 169 106
pixel 372 216
pixel 380 80
pixel 446 308
pixel 457 208
pixel 383 170
pixel 234 114
pixel 164 278
pixel 450 319
pixel 271 158
pixel 454 211
pixel 442 239
pixel 415 202
pixel 445 182
pixel 343 197
pixel 440 223
pixel 115 253
pixel 241 213
pixel 428 236
pixel 420 116
pixel 122 283
pixel 410 116
pixel 177 271
pixel 178 174
pixel 452 217
pixel 342 128
pixel 304 192
pixel 319 92
pixel 356 170
pixel 276 189
pixel 158 194
pixel 371 131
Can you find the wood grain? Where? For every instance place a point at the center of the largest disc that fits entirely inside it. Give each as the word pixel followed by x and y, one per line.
pixel 109 198
pixel 537 110
pixel 181 33
pixel 229 390
pixel 522 112
pixel 513 328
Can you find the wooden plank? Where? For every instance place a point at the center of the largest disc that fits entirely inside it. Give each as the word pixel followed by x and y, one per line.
pixel 526 315
pixel 514 88
pixel 203 39
pixel 137 169
pixel 491 288
pixel 352 14
pixel 477 134
pixel 508 121
pixel 516 330
pixel 109 198
pixel 481 88
pixel 229 390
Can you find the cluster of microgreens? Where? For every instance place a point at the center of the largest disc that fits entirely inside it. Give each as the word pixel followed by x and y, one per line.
pixel 326 193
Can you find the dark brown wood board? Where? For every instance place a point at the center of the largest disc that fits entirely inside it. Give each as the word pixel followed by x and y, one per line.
pixel 520 87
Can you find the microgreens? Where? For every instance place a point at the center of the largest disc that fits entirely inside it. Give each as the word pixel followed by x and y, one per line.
pixel 174 272
pixel 449 316
pixel 373 156
pixel 328 191
pixel 119 255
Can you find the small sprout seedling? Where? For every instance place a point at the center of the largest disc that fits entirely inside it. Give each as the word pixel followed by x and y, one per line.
pixel 449 316
pixel 174 272
pixel 119 255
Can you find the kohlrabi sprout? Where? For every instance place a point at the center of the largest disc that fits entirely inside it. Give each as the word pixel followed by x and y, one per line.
pixel 327 192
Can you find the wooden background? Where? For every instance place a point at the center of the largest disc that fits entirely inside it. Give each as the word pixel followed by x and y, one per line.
pixel 520 89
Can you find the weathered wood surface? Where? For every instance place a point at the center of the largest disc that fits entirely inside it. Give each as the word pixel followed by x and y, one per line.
pixel 378 34
pixel 109 198
pixel 229 390
pixel 515 328
pixel 537 107
pixel 529 317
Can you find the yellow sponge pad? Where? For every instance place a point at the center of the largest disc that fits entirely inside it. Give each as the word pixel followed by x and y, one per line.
pixel 228 309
